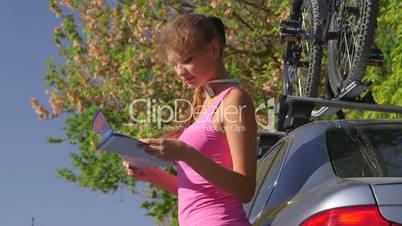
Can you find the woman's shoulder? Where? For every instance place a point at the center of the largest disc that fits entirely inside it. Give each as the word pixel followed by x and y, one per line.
pixel 238 96
pixel 238 93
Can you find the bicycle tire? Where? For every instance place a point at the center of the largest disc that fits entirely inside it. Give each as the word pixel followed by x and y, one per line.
pixel 341 72
pixel 296 57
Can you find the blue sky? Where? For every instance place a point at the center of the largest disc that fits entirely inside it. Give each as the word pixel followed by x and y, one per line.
pixel 28 164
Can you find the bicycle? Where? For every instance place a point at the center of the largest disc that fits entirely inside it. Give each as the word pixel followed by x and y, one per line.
pixel 347 27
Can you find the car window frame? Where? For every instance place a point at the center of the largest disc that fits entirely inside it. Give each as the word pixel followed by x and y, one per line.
pixel 249 206
pixel 287 141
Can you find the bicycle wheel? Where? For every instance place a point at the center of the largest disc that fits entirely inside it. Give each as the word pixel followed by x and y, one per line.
pixel 302 57
pixel 355 22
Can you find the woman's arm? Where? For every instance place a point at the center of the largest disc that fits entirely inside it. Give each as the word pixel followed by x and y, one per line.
pixel 165 181
pixel 241 132
pixel 239 182
pixel 155 176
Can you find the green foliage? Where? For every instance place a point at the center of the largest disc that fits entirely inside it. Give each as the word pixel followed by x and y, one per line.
pixel 108 61
pixel 161 206
pixel 387 80
pixel 54 140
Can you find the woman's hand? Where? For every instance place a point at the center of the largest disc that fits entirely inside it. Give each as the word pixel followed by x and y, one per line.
pixel 167 149
pixel 144 174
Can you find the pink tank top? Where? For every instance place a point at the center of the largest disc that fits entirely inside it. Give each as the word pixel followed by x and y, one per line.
pixel 200 202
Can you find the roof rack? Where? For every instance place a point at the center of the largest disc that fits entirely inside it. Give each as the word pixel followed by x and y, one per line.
pixel 294 111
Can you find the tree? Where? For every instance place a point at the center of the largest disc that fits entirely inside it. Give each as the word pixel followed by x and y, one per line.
pixel 107 51
pixel 387 80
pixel 108 61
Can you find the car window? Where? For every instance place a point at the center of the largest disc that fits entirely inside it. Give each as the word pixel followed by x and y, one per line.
pixel 366 150
pixel 268 176
pixel 263 165
pixel 306 159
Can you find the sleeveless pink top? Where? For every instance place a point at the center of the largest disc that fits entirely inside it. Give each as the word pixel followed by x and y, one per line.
pixel 200 202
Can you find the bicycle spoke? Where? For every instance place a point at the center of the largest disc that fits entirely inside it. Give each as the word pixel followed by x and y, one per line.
pixel 302 68
pixel 341 52
pixel 300 90
pixel 347 38
pixel 347 52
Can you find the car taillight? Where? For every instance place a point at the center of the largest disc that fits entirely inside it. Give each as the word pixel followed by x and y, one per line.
pixel 345 216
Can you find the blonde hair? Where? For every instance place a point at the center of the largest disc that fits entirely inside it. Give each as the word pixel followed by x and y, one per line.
pixel 189 33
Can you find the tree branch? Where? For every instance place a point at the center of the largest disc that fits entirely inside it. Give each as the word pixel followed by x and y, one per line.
pixel 237 16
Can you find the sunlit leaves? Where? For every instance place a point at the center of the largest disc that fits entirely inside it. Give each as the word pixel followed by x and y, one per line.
pixel 108 60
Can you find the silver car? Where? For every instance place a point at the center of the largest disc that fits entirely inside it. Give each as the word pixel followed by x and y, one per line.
pixel 346 172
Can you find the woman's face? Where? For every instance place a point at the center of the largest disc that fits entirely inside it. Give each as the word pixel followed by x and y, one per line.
pixel 194 68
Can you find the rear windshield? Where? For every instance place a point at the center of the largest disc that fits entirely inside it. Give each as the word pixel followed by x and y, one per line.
pixel 366 150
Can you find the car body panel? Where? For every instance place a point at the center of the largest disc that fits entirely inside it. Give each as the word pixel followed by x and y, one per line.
pixel 309 183
pixel 389 199
pixel 331 194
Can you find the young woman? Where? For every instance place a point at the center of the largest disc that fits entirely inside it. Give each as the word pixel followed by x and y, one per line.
pixel 215 154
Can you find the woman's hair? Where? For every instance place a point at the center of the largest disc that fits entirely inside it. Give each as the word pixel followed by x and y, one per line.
pixel 188 33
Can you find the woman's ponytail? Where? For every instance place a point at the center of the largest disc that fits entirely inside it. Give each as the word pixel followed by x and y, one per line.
pixel 220 28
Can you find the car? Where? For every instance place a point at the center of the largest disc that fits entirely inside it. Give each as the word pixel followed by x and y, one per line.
pixel 339 172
